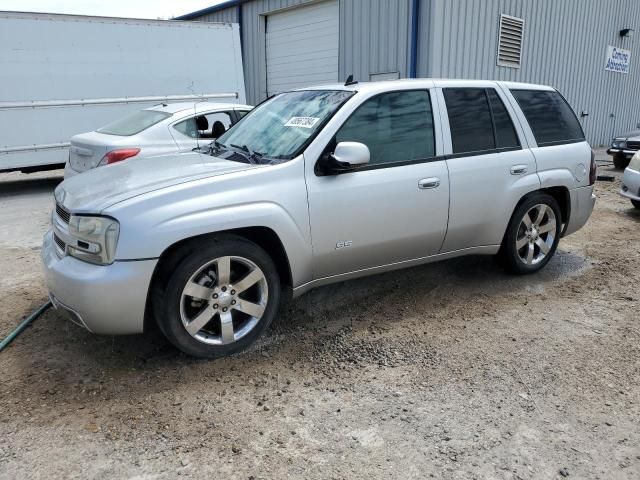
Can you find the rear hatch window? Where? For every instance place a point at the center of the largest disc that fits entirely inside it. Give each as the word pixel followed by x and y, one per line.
pixel 550 117
pixel 134 123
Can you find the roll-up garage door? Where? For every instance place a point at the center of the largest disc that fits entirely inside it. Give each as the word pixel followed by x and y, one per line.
pixel 302 46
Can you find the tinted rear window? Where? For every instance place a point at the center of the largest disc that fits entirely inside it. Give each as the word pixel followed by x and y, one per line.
pixel 506 136
pixel 550 117
pixel 134 123
pixel 469 120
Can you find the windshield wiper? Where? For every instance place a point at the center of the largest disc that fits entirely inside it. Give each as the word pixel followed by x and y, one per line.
pixel 216 146
pixel 253 156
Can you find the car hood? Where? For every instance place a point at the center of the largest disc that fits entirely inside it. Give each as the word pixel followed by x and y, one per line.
pixel 633 134
pixel 99 188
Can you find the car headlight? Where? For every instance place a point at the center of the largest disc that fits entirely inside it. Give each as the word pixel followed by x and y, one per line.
pixel 96 238
pixel 634 164
pixel 619 144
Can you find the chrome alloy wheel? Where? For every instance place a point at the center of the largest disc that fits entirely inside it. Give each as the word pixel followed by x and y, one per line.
pixel 536 234
pixel 224 300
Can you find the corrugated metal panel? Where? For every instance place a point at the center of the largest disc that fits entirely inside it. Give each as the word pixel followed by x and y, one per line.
pixel 253 35
pixel 228 15
pixel 302 46
pixel 374 39
pixel 564 45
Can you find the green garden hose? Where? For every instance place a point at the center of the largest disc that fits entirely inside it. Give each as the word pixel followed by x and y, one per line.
pixel 25 323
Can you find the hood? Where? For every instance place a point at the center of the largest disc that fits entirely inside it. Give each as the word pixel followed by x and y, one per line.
pixel 633 133
pixel 101 187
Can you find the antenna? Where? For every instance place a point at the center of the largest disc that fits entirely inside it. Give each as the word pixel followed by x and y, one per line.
pixel 350 81
pixel 195 115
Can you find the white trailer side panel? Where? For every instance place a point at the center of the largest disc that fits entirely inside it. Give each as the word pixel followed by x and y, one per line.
pixel 45 57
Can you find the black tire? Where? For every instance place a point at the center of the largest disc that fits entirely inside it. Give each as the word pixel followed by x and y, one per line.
pixel 510 258
pixel 167 300
pixel 620 161
pixel 636 203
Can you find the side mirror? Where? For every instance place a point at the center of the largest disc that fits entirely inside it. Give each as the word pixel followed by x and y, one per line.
pixel 351 154
pixel 346 157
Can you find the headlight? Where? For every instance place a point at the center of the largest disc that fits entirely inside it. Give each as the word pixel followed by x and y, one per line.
pixel 96 238
pixel 634 164
pixel 619 144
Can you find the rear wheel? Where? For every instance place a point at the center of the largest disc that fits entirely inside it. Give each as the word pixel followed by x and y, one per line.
pixel 636 203
pixel 620 161
pixel 219 299
pixel 532 235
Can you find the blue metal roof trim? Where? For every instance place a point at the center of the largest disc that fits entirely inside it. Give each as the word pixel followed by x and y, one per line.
pixel 208 10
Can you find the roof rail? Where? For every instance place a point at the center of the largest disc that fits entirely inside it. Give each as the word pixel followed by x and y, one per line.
pixel 111 101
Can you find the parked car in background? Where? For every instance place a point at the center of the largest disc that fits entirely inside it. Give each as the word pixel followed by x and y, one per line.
pixel 631 181
pixel 312 187
pixel 623 148
pixel 165 128
pixel 61 75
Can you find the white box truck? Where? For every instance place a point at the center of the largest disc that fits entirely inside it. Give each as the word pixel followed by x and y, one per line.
pixel 66 74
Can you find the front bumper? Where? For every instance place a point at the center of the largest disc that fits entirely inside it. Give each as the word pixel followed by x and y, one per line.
pixel 631 184
pixel 106 299
pixel 625 151
pixel 582 202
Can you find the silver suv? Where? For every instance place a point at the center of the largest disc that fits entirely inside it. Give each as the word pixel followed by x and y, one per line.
pixel 312 187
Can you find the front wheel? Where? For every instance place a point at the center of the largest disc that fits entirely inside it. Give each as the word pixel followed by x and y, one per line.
pixel 620 161
pixel 219 299
pixel 532 235
pixel 636 203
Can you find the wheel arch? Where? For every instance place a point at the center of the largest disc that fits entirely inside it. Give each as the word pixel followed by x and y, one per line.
pixel 563 197
pixel 264 237
pixel 559 193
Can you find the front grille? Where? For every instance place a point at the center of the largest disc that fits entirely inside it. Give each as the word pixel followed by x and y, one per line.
pixel 633 145
pixel 59 242
pixel 62 213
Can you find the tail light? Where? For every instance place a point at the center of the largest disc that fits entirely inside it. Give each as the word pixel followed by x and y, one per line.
pixel 118 155
pixel 594 168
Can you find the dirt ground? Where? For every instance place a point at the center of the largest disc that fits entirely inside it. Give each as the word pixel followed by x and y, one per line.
pixel 452 370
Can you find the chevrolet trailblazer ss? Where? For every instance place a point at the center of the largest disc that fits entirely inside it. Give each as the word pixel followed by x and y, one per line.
pixel 316 186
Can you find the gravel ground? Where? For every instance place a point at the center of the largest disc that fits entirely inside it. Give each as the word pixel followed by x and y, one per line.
pixel 452 370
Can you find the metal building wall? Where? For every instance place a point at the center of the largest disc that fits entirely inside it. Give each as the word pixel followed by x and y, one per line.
pixel 228 15
pixel 564 45
pixel 374 38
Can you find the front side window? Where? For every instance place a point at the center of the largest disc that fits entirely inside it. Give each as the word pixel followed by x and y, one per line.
pixel 550 117
pixel 134 123
pixel 281 127
pixel 208 125
pixel 395 126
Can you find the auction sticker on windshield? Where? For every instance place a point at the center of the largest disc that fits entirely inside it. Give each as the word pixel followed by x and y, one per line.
pixel 304 122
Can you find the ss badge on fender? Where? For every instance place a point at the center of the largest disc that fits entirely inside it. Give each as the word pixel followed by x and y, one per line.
pixel 345 244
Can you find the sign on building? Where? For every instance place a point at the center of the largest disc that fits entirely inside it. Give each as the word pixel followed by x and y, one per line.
pixel 617 59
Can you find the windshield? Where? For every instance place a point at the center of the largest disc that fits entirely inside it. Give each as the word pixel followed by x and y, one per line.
pixel 134 123
pixel 281 127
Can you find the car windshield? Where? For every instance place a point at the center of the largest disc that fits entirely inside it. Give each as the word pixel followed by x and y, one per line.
pixel 134 123
pixel 281 127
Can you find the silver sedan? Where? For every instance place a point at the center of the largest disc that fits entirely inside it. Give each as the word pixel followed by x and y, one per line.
pixel 162 129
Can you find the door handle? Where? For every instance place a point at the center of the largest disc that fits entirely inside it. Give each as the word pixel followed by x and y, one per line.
pixel 431 182
pixel 518 169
